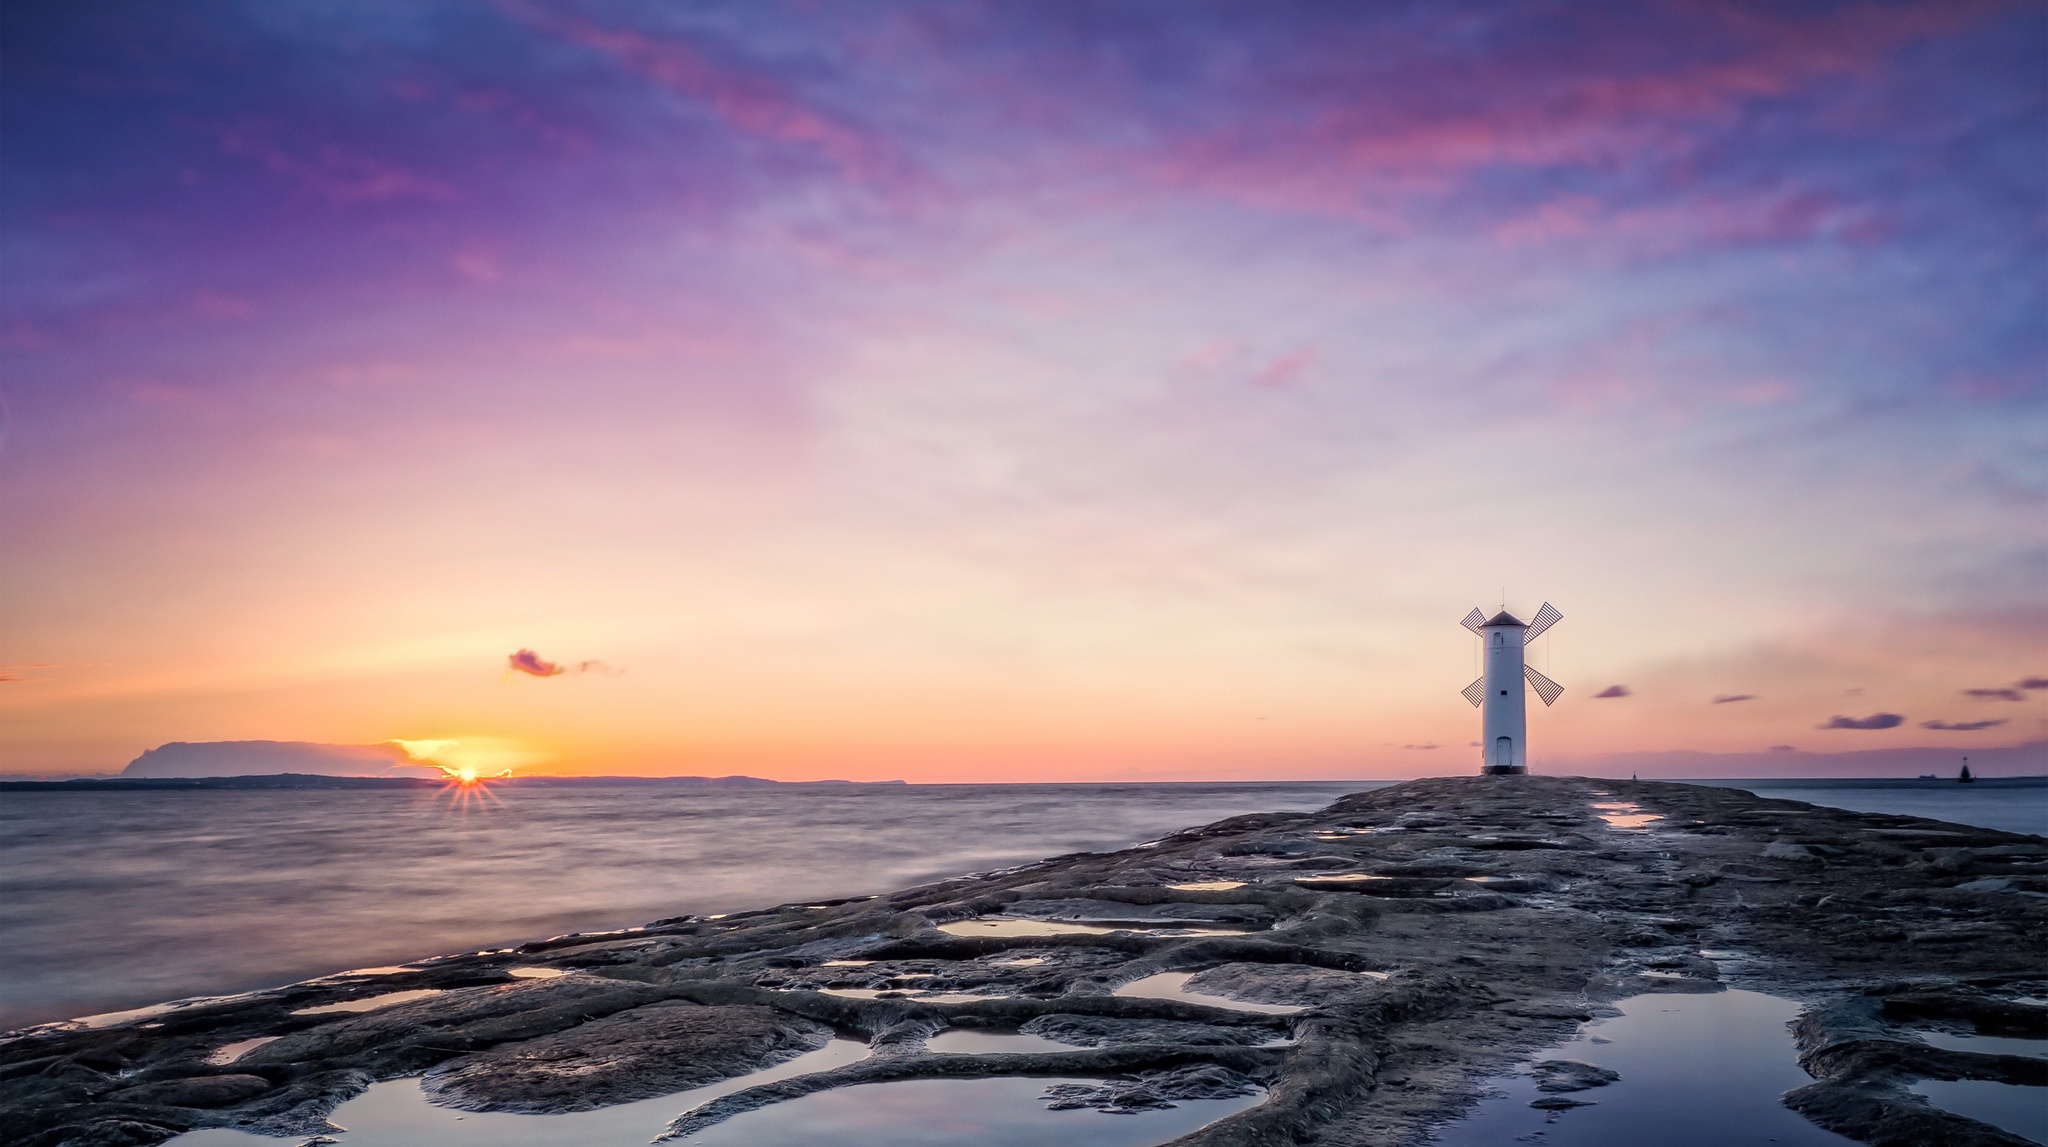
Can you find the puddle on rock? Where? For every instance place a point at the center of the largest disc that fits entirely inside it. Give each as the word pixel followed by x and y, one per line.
pixel 396 1113
pixel 959 1041
pixel 2020 1110
pixel 368 1003
pixel 1207 886
pixel 535 973
pixel 846 963
pixel 114 1019
pixel 1696 1071
pixel 1173 986
pixel 1021 962
pixel 1987 1044
pixel 230 1052
pixel 1627 815
pixel 1001 1112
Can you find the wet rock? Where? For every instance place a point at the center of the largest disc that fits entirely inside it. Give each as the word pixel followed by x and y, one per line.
pixel 1112 1031
pixel 1296 984
pixel 1572 1075
pixel 1558 1103
pixel 637 1054
pixel 194 1091
pixel 104 1133
pixel 1150 1090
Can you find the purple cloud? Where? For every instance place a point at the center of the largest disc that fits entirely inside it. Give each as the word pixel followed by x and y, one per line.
pixel 533 664
pixel 1731 698
pixel 1874 721
pixel 1784 749
pixel 1613 691
pixel 2034 683
pixel 1962 726
pixel 1426 745
pixel 1995 694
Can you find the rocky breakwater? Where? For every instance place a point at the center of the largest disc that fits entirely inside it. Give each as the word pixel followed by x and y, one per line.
pixel 1366 967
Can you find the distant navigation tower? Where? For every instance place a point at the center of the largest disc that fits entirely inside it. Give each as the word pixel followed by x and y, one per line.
pixel 1504 718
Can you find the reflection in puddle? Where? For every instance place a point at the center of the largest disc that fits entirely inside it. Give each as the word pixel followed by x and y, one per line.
pixel 961 1042
pixel 1173 986
pixel 535 973
pixel 846 963
pixel 1018 926
pixel 368 1003
pixel 2020 1110
pixel 1341 878
pixel 1207 886
pixel 1021 962
pixel 110 1019
pixel 230 1052
pixel 1626 815
pixel 1003 1112
pixel 1986 1044
pixel 1696 1071
pixel 384 970
pixel 396 1114
pixel 1014 926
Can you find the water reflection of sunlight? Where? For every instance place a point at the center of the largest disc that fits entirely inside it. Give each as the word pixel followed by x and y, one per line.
pixel 1626 815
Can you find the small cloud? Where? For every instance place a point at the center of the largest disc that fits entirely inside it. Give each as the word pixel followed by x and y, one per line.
pixel 2034 683
pixel 1427 745
pixel 1995 694
pixel 1962 726
pixel 1613 691
pixel 1731 698
pixel 1783 749
pixel 1471 744
pixel 5 678
pixel 533 664
pixel 1874 721
pixel 1285 369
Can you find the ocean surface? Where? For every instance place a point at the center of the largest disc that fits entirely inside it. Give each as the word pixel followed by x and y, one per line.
pixel 115 900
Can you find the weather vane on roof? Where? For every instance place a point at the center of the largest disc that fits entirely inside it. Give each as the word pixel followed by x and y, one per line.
pixel 1504 723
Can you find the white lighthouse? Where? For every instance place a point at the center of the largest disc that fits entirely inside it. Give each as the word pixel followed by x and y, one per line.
pixel 1504 715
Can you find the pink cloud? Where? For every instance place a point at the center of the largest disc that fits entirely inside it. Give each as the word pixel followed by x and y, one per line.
pixel 1286 369
pixel 1371 150
pixel 533 664
pixel 750 103
pixel 332 172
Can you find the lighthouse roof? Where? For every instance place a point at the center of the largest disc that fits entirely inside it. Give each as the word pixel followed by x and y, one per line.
pixel 1504 618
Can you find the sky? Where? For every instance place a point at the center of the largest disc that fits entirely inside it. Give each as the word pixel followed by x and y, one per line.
pixel 1027 390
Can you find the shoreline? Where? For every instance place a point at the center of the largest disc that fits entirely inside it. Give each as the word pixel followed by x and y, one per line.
pixel 1430 933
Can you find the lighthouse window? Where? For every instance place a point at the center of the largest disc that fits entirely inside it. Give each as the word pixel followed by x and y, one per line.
pixel 1503 692
pixel 1497 637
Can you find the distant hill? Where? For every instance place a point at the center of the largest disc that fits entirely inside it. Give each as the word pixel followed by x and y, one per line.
pixel 269 758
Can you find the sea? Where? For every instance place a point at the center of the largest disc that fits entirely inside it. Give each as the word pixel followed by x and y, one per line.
pixel 112 900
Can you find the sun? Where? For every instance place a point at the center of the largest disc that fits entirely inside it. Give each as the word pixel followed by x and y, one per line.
pixel 465 776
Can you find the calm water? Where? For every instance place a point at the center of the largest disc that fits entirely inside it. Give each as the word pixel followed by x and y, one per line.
pixel 116 900
pixel 2014 804
pixel 1696 1071
pixel 113 900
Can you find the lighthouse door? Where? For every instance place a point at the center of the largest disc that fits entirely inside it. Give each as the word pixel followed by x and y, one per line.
pixel 1504 751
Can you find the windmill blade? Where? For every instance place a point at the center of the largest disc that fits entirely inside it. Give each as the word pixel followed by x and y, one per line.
pixel 1544 619
pixel 1475 692
pixel 1545 687
pixel 1473 621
